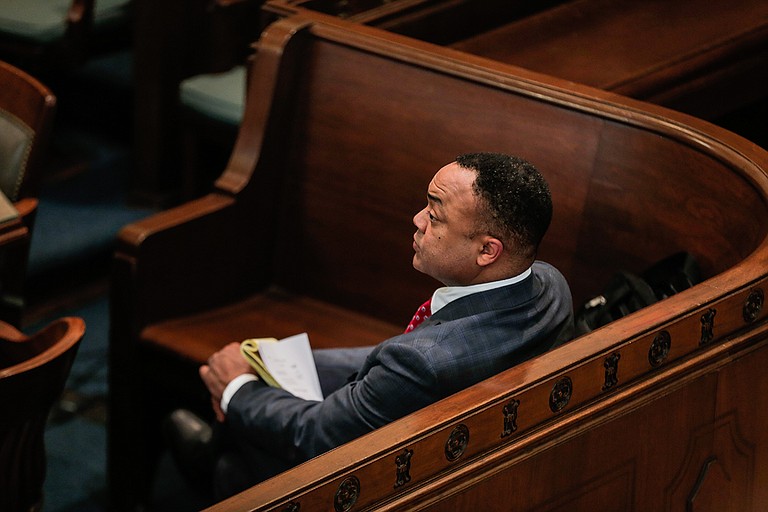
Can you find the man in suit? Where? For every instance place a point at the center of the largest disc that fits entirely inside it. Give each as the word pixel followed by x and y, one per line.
pixel 478 235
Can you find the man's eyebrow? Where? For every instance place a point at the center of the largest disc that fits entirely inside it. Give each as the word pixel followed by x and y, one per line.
pixel 435 199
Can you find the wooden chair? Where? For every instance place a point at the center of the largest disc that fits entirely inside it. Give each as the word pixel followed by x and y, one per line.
pixel 33 370
pixel 308 227
pixel 27 109
pixel 46 37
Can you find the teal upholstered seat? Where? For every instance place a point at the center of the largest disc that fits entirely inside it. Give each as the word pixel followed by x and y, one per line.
pixel 218 96
pixel 212 110
pixel 44 21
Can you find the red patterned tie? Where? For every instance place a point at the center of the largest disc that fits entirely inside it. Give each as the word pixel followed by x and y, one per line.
pixel 424 312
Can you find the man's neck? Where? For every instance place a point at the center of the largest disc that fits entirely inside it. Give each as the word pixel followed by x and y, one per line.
pixel 447 294
pixel 500 271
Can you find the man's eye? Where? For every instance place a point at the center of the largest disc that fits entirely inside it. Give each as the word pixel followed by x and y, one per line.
pixel 432 218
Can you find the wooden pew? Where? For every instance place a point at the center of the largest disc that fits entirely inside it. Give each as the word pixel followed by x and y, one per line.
pixel 332 161
pixel 707 59
pixel 704 58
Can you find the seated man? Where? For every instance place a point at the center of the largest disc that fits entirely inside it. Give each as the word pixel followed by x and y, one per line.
pixel 478 235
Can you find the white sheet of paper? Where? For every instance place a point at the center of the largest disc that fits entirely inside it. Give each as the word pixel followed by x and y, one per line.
pixel 291 363
pixel 7 210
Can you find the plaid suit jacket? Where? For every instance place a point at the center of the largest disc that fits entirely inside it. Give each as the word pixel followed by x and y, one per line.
pixel 469 340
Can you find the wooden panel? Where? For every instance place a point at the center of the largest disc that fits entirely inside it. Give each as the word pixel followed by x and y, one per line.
pixel 603 462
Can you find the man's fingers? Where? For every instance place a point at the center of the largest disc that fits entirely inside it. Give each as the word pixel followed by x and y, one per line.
pixel 211 381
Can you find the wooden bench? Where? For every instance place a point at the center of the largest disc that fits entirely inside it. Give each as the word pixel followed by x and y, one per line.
pixel 310 224
pixel 708 59
pixel 704 58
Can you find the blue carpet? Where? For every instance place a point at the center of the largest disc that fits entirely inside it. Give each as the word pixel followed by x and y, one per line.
pixel 76 466
pixel 89 371
pixel 77 221
pixel 78 217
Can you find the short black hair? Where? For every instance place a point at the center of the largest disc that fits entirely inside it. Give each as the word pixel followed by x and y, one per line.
pixel 515 195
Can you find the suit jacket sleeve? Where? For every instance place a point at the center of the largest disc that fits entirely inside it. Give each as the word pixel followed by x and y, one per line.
pixel 400 381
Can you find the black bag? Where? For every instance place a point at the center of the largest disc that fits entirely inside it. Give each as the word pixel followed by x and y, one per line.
pixel 627 292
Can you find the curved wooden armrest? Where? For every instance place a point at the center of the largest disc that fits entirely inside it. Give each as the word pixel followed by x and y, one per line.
pixel 195 256
pixel 24 352
pixel 26 207
pixel 19 228
pixel 135 236
pixel 10 333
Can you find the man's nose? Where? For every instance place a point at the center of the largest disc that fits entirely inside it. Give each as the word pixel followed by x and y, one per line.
pixel 419 220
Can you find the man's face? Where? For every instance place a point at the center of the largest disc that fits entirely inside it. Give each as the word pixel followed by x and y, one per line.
pixel 442 244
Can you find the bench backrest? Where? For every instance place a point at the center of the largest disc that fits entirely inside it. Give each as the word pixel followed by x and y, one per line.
pixel 351 125
pixel 358 132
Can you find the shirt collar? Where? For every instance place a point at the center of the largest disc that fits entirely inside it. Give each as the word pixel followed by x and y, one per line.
pixel 446 294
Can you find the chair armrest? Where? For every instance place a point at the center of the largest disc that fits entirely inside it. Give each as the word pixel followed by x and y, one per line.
pixel 27 208
pixel 193 257
pixel 9 333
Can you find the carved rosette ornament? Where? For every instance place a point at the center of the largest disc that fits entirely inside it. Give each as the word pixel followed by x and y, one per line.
pixel 510 417
pixel 707 326
pixel 611 365
pixel 457 442
pixel 347 494
pixel 403 466
pixel 753 305
pixel 561 394
pixel 660 347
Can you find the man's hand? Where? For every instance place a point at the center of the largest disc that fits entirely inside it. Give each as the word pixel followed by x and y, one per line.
pixel 222 367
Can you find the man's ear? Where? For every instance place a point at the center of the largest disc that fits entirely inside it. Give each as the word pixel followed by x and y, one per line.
pixel 490 252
